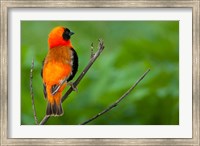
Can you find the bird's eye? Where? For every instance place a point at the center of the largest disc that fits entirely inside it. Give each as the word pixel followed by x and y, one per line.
pixel 66 34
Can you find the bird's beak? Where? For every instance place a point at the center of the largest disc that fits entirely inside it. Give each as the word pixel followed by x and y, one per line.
pixel 71 33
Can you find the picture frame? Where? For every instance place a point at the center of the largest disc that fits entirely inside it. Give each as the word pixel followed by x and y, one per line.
pixel 5 5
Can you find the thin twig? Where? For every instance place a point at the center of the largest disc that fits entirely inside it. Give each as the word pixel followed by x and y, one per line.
pixel 94 57
pixel 44 120
pixel 31 90
pixel 92 50
pixel 117 101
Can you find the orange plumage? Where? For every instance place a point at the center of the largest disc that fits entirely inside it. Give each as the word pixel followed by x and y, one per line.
pixel 61 63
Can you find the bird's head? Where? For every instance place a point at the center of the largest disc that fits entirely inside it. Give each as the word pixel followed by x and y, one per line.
pixel 59 36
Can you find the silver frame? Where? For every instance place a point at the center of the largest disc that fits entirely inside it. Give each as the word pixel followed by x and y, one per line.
pixel 5 5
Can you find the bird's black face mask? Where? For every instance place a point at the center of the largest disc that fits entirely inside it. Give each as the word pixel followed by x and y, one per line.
pixel 67 34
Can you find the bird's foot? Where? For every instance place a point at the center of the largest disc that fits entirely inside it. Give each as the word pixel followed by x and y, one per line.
pixel 73 87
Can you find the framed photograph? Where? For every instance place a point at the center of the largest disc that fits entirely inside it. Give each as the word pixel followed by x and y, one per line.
pixel 100 72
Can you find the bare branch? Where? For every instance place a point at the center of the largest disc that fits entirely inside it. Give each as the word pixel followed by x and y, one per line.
pixel 92 60
pixel 117 101
pixel 44 120
pixel 31 90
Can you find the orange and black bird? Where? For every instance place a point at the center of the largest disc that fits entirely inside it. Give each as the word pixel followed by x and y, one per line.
pixel 59 67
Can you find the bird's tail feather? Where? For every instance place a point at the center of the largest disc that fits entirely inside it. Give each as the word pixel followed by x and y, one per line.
pixel 54 109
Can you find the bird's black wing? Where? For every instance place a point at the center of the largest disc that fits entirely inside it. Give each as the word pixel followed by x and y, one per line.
pixel 74 65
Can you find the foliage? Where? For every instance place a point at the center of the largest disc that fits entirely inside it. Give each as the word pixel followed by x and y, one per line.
pixel 131 47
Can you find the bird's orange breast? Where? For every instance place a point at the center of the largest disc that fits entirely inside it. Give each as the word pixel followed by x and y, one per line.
pixel 57 65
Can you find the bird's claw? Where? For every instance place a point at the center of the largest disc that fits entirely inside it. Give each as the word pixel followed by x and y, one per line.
pixel 73 87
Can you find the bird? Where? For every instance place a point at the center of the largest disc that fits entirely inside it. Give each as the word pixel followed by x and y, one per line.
pixel 58 68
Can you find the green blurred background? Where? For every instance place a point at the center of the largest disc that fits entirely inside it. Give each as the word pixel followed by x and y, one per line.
pixel 131 47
